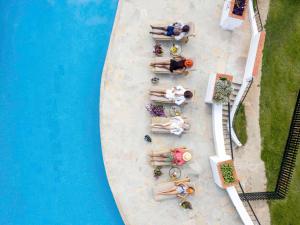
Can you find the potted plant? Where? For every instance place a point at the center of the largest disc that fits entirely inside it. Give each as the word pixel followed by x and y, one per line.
pixel 227 173
pixel 223 88
pixel 156 110
pixel 234 14
pixel 239 7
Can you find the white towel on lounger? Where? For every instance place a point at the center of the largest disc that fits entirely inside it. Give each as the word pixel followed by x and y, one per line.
pixel 176 94
pixel 176 125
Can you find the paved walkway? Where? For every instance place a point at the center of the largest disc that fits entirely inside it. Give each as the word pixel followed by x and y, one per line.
pixel 250 167
pixel 124 120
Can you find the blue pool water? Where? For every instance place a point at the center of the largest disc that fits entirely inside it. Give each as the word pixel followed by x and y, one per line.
pixel 51 58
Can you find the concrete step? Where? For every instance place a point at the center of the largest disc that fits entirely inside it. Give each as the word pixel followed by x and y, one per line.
pixel 236 84
pixel 235 92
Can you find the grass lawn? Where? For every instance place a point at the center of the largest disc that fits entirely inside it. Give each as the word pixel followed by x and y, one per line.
pixel 239 125
pixel 279 87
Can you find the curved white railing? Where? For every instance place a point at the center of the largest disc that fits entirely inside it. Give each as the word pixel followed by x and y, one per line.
pixel 248 74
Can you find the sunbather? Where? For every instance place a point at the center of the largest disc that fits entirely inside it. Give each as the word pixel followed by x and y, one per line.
pixel 175 65
pixel 178 30
pixel 176 157
pixel 176 94
pixel 179 189
pixel 176 125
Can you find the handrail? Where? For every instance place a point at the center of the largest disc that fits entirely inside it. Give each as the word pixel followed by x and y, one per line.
pixel 230 140
pixel 245 95
pixel 231 150
pixel 248 202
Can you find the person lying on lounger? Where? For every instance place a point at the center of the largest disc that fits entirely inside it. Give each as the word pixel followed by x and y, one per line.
pixel 177 65
pixel 180 189
pixel 177 94
pixel 178 30
pixel 175 157
pixel 176 125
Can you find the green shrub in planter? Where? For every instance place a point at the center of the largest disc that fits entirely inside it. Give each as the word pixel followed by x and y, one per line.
pixel 227 173
pixel 223 89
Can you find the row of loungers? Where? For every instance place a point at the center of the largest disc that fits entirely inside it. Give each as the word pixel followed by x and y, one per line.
pixel 179 156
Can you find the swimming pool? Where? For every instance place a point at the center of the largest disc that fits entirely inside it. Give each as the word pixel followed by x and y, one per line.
pixel 51 58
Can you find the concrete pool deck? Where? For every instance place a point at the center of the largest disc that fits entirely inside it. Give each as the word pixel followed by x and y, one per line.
pixel 124 120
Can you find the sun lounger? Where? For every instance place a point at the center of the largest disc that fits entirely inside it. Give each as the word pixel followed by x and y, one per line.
pixel 166 186
pixel 165 100
pixel 162 120
pixel 158 70
pixel 159 37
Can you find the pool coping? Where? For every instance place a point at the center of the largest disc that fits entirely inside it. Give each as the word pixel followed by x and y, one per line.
pixel 103 78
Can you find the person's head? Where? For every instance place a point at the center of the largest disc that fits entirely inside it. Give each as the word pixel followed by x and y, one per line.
pixel 188 63
pixel 190 190
pixel 186 28
pixel 188 94
pixel 187 156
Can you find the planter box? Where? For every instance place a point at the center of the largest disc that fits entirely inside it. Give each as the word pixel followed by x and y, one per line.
pixel 211 86
pixel 221 75
pixel 229 20
pixel 236 180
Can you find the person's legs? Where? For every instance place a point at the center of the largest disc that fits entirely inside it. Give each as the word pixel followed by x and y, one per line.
pixel 156 163
pixel 159 159
pixel 158 28
pixel 166 62
pixel 167 67
pixel 162 126
pixel 157 93
pixel 160 154
pixel 171 191
pixel 159 33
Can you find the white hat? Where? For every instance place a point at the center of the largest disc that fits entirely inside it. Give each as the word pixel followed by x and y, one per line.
pixel 187 156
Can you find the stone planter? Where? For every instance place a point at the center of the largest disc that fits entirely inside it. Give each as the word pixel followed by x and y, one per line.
pixel 211 85
pixel 231 18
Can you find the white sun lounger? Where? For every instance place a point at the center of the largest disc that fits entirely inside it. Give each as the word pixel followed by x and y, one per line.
pixel 166 186
pixel 159 37
pixel 163 120
pixel 164 100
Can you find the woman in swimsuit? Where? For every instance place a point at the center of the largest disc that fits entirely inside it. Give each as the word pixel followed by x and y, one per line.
pixel 176 125
pixel 176 156
pixel 175 65
pixel 175 122
pixel 174 29
pixel 180 190
pixel 178 94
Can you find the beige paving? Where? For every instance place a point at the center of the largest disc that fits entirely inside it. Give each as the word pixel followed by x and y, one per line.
pixel 251 168
pixel 124 120
pixel 248 161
